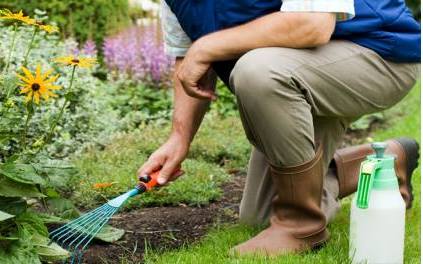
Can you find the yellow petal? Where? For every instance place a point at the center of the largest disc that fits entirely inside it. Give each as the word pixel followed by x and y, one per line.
pixel 46 74
pixel 27 73
pixel 51 94
pixel 23 78
pixel 28 97
pixel 54 87
pixel 38 73
pixel 52 79
pixel 36 97
pixel 25 89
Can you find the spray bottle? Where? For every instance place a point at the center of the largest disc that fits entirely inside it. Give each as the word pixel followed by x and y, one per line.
pixel 377 212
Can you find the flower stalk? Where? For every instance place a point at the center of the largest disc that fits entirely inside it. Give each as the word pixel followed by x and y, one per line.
pixel 28 50
pixel 62 109
pixel 9 56
pixel 30 113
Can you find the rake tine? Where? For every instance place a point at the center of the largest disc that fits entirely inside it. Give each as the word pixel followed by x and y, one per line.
pixel 89 238
pixel 87 228
pixel 82 235
pixel 75 221
pixel 79 219
pixel 70 227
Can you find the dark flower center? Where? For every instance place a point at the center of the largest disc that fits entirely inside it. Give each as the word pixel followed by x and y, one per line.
pixel 75 61
pixel 35 87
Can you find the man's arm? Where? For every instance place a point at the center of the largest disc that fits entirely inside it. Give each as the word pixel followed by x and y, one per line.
pixel 290 30
pixel 188 112
pixel 279 29
pixel 187 116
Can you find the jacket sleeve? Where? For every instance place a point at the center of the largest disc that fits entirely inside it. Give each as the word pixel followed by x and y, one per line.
pixel 176 41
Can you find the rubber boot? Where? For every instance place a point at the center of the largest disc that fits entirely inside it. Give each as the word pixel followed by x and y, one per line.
pixel 297 222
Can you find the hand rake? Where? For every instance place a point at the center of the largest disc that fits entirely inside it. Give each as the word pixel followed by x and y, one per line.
pixel 76 235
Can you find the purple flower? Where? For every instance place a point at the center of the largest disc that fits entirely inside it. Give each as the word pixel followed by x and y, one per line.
pixel 138 53
pixel 89 49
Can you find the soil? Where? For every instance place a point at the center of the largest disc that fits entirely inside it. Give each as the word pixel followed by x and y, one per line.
pixel 166 227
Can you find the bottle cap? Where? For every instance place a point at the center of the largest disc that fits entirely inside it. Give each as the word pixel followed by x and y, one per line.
pixel 379 148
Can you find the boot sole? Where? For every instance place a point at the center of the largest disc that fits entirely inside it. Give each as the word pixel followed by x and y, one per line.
pixel 412 155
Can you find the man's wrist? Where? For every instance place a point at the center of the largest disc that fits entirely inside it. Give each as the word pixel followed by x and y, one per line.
pixel 180 138
pixel 202 51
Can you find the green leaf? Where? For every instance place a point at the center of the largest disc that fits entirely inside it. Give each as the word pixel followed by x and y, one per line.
pixel 20 251
pixel 49 252
pixel 110 234
pixel 4 216
pixel 52 252
pixel 63 207
pixel 9 239
pixel 9 188
pixel 71 96
pixel 13 205
pixel 32 223
pixel 24 173
pixel 51 219
pixel 59 172
pixel 19 254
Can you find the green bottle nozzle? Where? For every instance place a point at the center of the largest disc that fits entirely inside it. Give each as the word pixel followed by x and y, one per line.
pixel 379 148
pixel 377 172
pixel 367 174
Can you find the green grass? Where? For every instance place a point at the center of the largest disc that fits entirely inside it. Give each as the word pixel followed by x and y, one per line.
pixel 403 120
pixel 218 147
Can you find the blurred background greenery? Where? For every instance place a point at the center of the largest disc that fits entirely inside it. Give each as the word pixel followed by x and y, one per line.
pixel 94 19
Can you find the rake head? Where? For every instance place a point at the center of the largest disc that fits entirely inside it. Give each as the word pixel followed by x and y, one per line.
pixel 76 235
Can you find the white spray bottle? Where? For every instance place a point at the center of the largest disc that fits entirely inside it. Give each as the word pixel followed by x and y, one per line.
pixel 377 212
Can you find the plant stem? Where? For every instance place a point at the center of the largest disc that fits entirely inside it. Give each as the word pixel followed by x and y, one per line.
pixel 9 57
pixel 28 118
pixel 62 109
pixel 28 50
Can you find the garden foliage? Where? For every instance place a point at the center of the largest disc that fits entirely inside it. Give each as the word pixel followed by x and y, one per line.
pixel 81 19
pixel 29 178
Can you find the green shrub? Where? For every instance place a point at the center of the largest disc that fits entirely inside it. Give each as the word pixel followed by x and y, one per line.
pixel 415 7
pixel 82 19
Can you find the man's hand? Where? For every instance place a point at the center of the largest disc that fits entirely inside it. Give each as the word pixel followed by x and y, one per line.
pixel 196 76
pixel 168 158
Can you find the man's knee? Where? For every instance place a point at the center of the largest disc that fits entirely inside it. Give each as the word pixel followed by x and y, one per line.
pixel 257 75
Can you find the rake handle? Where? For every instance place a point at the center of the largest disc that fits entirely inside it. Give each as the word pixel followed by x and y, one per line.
pixel 147 182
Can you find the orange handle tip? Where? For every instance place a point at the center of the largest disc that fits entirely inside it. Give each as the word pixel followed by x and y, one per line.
pixel 154 176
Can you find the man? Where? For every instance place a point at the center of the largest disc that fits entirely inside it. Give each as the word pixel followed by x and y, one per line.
pixel 301 72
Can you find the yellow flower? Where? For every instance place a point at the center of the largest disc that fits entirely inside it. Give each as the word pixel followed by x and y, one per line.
pixel 47 28
pixel 76 61
pixel 39 85
pixel 9 15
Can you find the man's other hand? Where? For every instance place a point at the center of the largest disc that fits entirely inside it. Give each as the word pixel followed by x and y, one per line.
pixel 196 76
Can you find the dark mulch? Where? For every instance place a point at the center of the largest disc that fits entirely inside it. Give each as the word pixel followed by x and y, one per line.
pixel 162 228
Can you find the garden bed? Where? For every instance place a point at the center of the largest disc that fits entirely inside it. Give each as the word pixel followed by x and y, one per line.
pixel 164 228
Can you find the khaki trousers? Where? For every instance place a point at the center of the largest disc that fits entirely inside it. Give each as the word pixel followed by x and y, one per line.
pixel 289 99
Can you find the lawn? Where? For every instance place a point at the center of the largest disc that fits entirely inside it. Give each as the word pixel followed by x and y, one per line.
pixel 402 120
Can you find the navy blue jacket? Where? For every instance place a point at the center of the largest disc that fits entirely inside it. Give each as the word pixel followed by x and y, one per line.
pixel 385 26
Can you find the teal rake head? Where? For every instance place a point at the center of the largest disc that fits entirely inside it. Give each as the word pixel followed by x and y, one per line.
pixel 76 235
